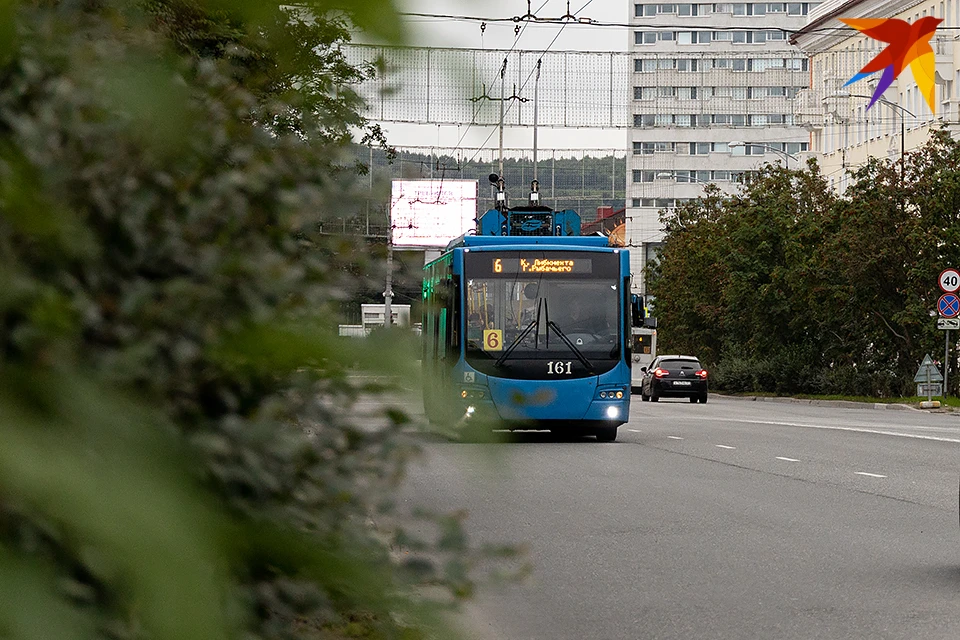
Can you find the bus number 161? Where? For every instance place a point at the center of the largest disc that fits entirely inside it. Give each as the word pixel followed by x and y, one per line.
pixel 559 368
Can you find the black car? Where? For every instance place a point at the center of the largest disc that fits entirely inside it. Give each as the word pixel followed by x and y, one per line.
pixel 674 377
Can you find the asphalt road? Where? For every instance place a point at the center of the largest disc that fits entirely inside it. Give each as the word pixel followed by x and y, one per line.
pixel 733 519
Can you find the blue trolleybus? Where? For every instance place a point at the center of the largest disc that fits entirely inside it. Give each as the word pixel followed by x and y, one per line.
pixel 530 332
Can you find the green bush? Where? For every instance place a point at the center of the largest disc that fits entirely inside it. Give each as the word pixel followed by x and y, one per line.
pixel 178 461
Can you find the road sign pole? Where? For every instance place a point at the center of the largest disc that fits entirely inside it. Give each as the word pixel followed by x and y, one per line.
pixel 946 363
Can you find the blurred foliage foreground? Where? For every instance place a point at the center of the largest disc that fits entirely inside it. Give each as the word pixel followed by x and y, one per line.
pixel 163 315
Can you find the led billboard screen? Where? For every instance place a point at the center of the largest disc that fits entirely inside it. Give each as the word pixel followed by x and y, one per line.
pixel 431 213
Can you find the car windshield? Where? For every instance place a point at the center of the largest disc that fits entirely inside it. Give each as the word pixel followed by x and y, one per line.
pixel 542 305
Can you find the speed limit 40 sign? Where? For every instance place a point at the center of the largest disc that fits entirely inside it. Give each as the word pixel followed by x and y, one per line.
pixel 949 280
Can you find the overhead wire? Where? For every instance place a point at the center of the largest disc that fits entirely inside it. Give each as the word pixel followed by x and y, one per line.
pixel 589 22
pixel 530 75
pixel 502 79
pixel 518 34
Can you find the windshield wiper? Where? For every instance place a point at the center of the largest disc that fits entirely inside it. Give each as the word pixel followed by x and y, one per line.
pixel 573 347
pixel 533 326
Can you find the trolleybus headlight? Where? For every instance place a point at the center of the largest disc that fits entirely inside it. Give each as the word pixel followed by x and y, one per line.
pixel 470 411
pixel 613 412
pixel 463 394
pixel 619 395
pixel 603 395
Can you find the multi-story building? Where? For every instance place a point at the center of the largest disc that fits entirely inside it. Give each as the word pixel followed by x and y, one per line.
pixel 844 133
pixel 714 86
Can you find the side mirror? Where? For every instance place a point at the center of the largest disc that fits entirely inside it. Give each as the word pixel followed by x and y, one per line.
pixel 643 369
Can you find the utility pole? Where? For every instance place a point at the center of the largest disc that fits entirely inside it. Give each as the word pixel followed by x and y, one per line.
pixel 536 104
pixel 503 81
pixel 388 291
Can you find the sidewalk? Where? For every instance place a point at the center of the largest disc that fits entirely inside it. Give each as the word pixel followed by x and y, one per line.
pixel 848 404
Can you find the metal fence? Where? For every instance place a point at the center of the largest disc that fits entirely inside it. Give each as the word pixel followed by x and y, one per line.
pixel 463 86
pixel 578 179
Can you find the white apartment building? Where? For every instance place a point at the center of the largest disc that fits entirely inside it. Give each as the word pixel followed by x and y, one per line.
pixel 706 75
pixel 844 133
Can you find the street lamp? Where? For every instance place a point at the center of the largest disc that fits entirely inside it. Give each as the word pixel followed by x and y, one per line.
pixel 787 156
pixel 904 112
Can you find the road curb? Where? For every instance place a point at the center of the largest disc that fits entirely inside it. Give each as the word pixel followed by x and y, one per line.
pixel 846 404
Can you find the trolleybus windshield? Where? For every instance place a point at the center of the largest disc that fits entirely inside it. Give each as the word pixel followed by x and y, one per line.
pixel 542 314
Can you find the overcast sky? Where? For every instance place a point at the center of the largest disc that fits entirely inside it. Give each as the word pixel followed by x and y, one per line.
pixel 462 33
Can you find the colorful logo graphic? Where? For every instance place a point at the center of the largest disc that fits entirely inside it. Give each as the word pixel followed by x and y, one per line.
pixel 908 44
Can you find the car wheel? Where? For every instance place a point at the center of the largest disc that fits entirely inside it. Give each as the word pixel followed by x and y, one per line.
pixel 644 396
pixel 605 434
pixel 703 399
pixel 654 398
pixel 693 399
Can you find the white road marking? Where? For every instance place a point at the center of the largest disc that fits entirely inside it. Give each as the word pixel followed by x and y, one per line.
pixel 829 428
pixel 675 437
pixel 634 430
pixel 723 446
pixel 869 475
pixel 787 459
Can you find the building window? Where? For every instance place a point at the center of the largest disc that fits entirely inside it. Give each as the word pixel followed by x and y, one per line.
pixel 645 37
pixel 649 148
pixel 644 93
